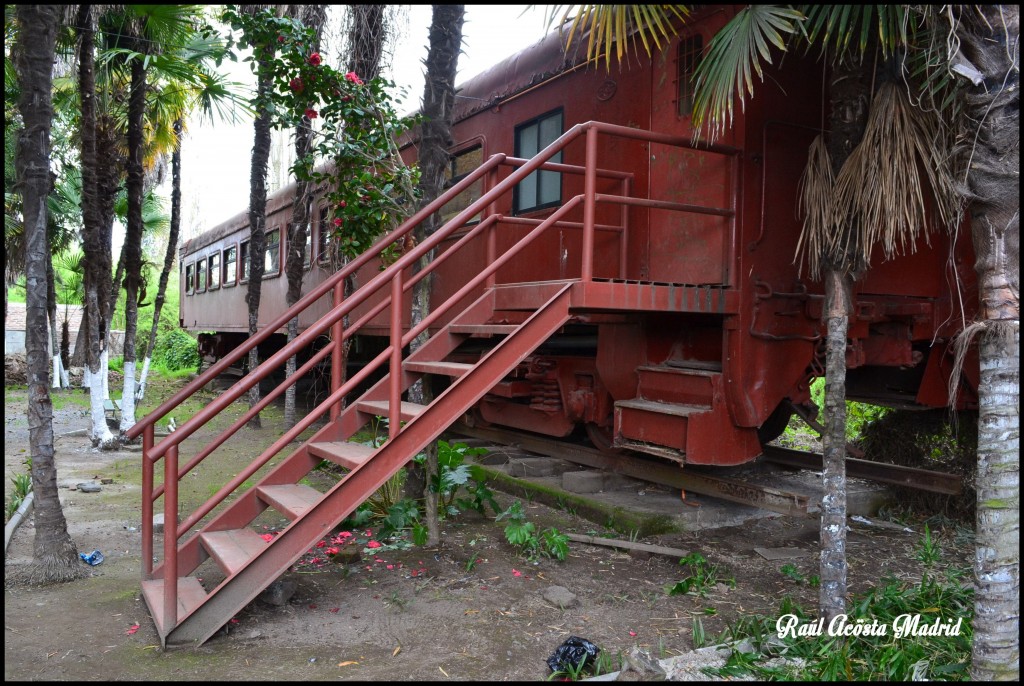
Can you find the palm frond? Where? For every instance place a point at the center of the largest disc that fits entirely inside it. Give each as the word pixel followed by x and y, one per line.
pixel 617 26
pixel 836 27
pixel 725 72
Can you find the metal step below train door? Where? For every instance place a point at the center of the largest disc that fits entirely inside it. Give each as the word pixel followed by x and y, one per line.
pixel 680 414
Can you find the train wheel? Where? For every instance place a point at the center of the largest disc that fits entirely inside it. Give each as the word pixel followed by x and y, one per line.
pixel 776 423
pixel 601 438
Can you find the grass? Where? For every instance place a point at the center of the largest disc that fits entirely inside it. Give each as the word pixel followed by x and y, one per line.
pixel 883 655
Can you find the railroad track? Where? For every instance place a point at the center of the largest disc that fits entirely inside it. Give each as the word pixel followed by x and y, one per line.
pixel 700 481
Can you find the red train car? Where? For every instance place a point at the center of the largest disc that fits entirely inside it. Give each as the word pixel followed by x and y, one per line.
pixel 690 330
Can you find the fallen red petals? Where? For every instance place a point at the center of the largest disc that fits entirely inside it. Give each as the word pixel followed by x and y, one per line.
pixel 335 609
pixel 632 633
pixel 516 572
pixel 132 629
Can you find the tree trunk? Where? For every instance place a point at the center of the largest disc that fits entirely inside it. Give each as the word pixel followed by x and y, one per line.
pixel 989 38
pixel 313 16
pixel 59 376
pixel 96 257
pixel 367 33
pixel 172 248
pixel 258 216
pixel 850 94
pixel 133 235
pixel 55 556
pixel 436 137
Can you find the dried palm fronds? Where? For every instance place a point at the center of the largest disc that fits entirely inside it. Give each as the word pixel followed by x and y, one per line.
pixel 895 182
pixel 815 205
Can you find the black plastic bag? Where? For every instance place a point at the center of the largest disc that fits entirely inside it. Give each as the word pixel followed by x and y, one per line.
pixel 573 654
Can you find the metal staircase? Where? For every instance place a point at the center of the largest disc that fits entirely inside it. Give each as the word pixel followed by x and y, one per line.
pixel 187 611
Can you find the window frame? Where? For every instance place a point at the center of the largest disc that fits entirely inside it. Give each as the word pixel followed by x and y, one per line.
pixel 201 271
pixel 210 285
pixel 690 47
pixel 190 278
pixel 243 260
pixel 323 235
pixel 224 283
pixel 454 154
pixel 267 274
pixel 517 208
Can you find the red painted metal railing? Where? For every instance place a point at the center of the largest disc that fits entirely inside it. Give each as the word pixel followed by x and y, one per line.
pixel 392 280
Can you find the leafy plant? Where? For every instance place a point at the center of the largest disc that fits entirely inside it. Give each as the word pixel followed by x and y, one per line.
pixel 176 350
pixel 703 577
pixel 454 477
pixel 523 535
pixel 791 572
pixel 22 487
pixel 928 551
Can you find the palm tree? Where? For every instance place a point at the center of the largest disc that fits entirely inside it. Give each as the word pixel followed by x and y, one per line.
pixel 96 250
pixel 435 138
pixel 55 556
pixel 988 60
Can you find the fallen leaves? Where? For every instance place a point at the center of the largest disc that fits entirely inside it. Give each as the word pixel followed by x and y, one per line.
pixel 346 663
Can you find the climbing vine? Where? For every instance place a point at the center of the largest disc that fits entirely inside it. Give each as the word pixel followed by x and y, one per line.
pixel 354 158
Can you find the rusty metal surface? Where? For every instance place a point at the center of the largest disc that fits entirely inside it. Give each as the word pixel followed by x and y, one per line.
pixel 910 477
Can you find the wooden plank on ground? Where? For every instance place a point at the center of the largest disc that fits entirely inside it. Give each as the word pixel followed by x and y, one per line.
pixel 628 545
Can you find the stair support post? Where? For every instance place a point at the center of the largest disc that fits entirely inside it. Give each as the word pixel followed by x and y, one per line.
pixel 170 565
pixel 395 378
pixel 589 193
pixel 147 503
pixel 337 353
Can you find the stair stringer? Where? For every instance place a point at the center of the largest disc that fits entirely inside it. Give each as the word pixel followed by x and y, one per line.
pixel 231 596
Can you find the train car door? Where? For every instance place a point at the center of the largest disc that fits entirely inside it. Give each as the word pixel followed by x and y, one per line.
pixel 686 247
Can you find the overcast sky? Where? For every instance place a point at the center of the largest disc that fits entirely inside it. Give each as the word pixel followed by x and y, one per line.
pixel 215 158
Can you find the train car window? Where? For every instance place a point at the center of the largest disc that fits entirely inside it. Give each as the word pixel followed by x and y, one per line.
pixel 272 260
pixel 686 63
pixel 322 235
pixel 230 266
pixel 462 163
pixel 201 276
pixel 243 255
pixel 542 188
pixel 190 276
pixel 214 271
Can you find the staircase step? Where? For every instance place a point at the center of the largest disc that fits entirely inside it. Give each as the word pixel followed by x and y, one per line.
pixel 291 500
pixel 348 455
pixel 674 409
pixel 483 330
pixel 233 548
pixel 380 408
pixel 652 423
pixel 453 369
pixel 191 595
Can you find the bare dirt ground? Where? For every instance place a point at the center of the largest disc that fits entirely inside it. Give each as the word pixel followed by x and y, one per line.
pixel 472 609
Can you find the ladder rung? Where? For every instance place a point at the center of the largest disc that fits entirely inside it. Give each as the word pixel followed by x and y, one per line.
pixel 348 455
pixel 233 548
pixel 291 500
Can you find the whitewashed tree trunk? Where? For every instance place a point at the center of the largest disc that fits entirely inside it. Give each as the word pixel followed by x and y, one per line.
pixel 128 398
pixel 143 376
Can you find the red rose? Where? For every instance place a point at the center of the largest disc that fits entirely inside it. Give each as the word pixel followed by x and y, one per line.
pixel 351 76
pixel 314 59
pixel 342 204
pixel 296 85
pixel 311 113
pixel 280 39
pixel 337 221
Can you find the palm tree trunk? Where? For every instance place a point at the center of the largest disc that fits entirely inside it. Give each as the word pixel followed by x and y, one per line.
pixel 55 556
pixel 849 95
pixel 436 137
pixel 133 235
pixel 313 16
pixel 258 215
pixel 172 248
pixel 96 260
pixel 989 38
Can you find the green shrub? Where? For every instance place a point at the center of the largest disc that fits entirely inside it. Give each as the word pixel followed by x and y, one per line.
pixel 177 350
